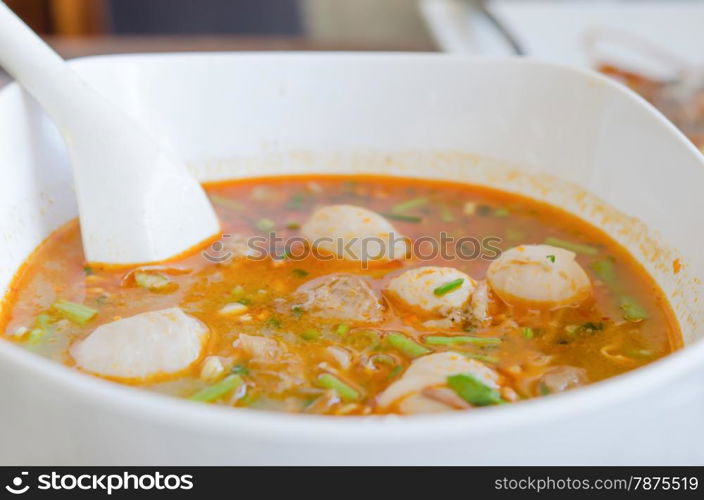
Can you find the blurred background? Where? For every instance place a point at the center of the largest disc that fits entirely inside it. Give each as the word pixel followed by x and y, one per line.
pixel 655 47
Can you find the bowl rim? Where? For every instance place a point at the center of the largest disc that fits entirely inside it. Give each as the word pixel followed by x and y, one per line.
pixel 275 426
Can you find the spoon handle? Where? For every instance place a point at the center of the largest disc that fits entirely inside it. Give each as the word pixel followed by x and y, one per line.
pixel 136 203
pixel 40 70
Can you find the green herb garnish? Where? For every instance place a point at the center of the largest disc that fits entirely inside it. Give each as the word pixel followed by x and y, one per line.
pixel 346 392
pixel 528 332
pixel 591 327
pixel 265 224
pixel 239 370
pixel 152 282
pixel 446 214
pixel 480 357
pixel 403 217
pixel 78 313
pixel 296 201
pixel 632 309
pixel 474 391
pixel 572 246
pixel 273 322
pixel 311 334
pixel 300 273
pixel 219 389
pixel 448 287
pixel 42 326
pixel 342 329
pixel 460 339
pixel 407 346
pixel 395 371
pixel 551 258
pixel 405 206
pixel 226 202
pixel 514 234
pixel 605 270
pixel 484 210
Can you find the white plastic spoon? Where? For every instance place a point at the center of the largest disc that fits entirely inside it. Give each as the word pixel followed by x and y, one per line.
pixel 135 203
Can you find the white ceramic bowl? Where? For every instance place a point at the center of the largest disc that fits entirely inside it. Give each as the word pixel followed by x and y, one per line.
pixel 557 134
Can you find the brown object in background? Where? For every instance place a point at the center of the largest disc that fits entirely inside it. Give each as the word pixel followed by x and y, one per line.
pixel 35 13
pixel 62 17
pixel 78 17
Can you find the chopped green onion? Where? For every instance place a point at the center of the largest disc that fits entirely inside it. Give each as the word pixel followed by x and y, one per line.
pixel 460 339
pixel 371 338
pixel 239 370
pixel 474 391
pixel 265 224
pixel 448 287
pixel 403 217
pixel 572 246
pixel 300 273
pixel 78 313
pixel 152 282
pixel 41 328
pixel 35 335
pixel 409 205
pixel 245 301
pixel 528 332
pixel 483 210
pixel 514 234
pixel 328 381
pixel 605 271
pixel 395 371
pixel 544 389
pixel 296 201
pixel 88 270
pixel 311 334
pixel 632 310
pixel 219 389
pixel 446 214
pixel 249 398
pixel 502 212
pixel 480 357
pixel 551 258
pixel 407 346
pixel 226 202
pixel 297 311
pixel 273 322
pixel 342 329
pixel 592 327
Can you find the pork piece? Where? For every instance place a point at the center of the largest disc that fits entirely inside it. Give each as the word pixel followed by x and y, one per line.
pixel 479 308
pixel 432 371
pixel 148 344
pixel 340 296
pixel 562 378
pixel 421 290
pixel 539 275
pixel 258 347
pixel 354 233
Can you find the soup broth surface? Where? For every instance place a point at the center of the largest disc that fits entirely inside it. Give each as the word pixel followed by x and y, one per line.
pixel 267 348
